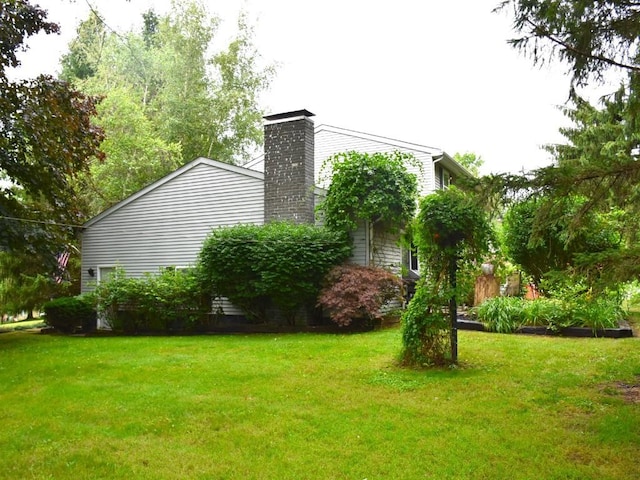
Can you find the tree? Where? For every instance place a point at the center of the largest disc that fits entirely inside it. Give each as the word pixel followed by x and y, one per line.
pixel 85 51
pixel 595 38
pixel 592 36
pixel 46 139
pixel 135 154
pixel 540 252
pixel 470 161
pixel 25 286
pixel 205 102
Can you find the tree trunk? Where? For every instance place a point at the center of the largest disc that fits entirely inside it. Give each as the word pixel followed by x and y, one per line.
pixel 487 286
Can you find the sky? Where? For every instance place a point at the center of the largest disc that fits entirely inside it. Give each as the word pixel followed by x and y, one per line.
pixel 432 72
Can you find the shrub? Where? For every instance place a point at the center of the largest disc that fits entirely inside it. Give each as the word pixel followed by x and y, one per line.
pixel 356 292
pixel 68 313
pixel 170 300
pixel 279 264
pixel 501 314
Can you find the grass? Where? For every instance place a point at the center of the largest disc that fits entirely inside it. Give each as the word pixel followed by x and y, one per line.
pixel 21 325
pixel 308 406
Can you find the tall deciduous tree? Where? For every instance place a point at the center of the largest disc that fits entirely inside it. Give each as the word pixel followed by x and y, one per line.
pixel 47 138
pixel 203 98
pixel 470 161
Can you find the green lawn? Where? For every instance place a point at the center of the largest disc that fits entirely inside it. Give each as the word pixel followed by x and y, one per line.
pixel 307 406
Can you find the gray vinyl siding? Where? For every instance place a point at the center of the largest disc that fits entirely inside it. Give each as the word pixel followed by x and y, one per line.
pixel 386 251
pixel 360 254
pixel 167 225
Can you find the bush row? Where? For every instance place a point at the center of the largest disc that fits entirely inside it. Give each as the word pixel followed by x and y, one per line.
pixel 171 300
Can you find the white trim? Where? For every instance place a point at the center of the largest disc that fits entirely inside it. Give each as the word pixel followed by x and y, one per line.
pixel 287 119
pixel 100 267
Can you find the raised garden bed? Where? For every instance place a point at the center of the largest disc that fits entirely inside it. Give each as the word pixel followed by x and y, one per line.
pixel 623 330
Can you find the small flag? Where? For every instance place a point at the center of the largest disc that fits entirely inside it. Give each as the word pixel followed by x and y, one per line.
pixel 63 259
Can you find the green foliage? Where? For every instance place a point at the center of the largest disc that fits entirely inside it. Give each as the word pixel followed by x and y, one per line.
pixel 172 300
pixel 507 314
pixel 470 161
pixel 425 331
pixel 591 36
pixel 597 162
pixel 204 100
pixel 540 250
pixel 353 292
pixel 66 314
pixel 376 188
pixel 279 264
pixel 501 314
pixel 135 154
pixel 46 138
pixel 450 230
pixel 450 223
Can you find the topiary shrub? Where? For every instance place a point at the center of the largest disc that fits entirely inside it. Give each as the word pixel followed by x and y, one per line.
pixel 66 314
pixel 279 264
pixel 357 292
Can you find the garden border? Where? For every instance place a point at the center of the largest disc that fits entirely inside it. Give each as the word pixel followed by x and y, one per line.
pixel 623 331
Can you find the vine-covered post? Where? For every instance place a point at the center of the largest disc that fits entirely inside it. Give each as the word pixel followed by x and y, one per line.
pixel 450 228
pixel 453 308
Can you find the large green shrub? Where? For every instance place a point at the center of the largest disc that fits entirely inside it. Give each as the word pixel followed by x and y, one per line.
pixel 170 300
pixel 66 314
pixel 540 247
pixel 278 264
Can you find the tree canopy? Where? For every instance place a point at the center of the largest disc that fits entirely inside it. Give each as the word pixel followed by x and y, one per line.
pixel 470 161
pixel 47 138
pixel 172 94
pixel 598 40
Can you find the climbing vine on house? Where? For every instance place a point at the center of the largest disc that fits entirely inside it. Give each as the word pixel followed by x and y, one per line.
pixel 373 187
pixel 450 229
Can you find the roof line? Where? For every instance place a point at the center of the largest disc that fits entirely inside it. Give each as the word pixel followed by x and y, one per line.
pixel 176 173
pixel 380 137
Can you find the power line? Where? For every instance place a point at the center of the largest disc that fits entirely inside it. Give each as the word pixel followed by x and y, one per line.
pixel 41 222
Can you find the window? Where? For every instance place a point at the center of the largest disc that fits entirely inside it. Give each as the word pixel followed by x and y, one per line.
pixel 413 259
pixel 105 273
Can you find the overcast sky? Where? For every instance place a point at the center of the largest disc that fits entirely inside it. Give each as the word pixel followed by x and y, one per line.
pixel 438 73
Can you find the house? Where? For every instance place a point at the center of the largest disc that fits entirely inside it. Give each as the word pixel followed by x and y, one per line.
pixel 164 224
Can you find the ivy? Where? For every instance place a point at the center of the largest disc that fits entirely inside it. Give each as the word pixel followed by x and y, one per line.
pixel 374 187
pixel 451 229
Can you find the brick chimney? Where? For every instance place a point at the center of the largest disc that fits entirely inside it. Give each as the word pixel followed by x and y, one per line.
pixel 289 167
